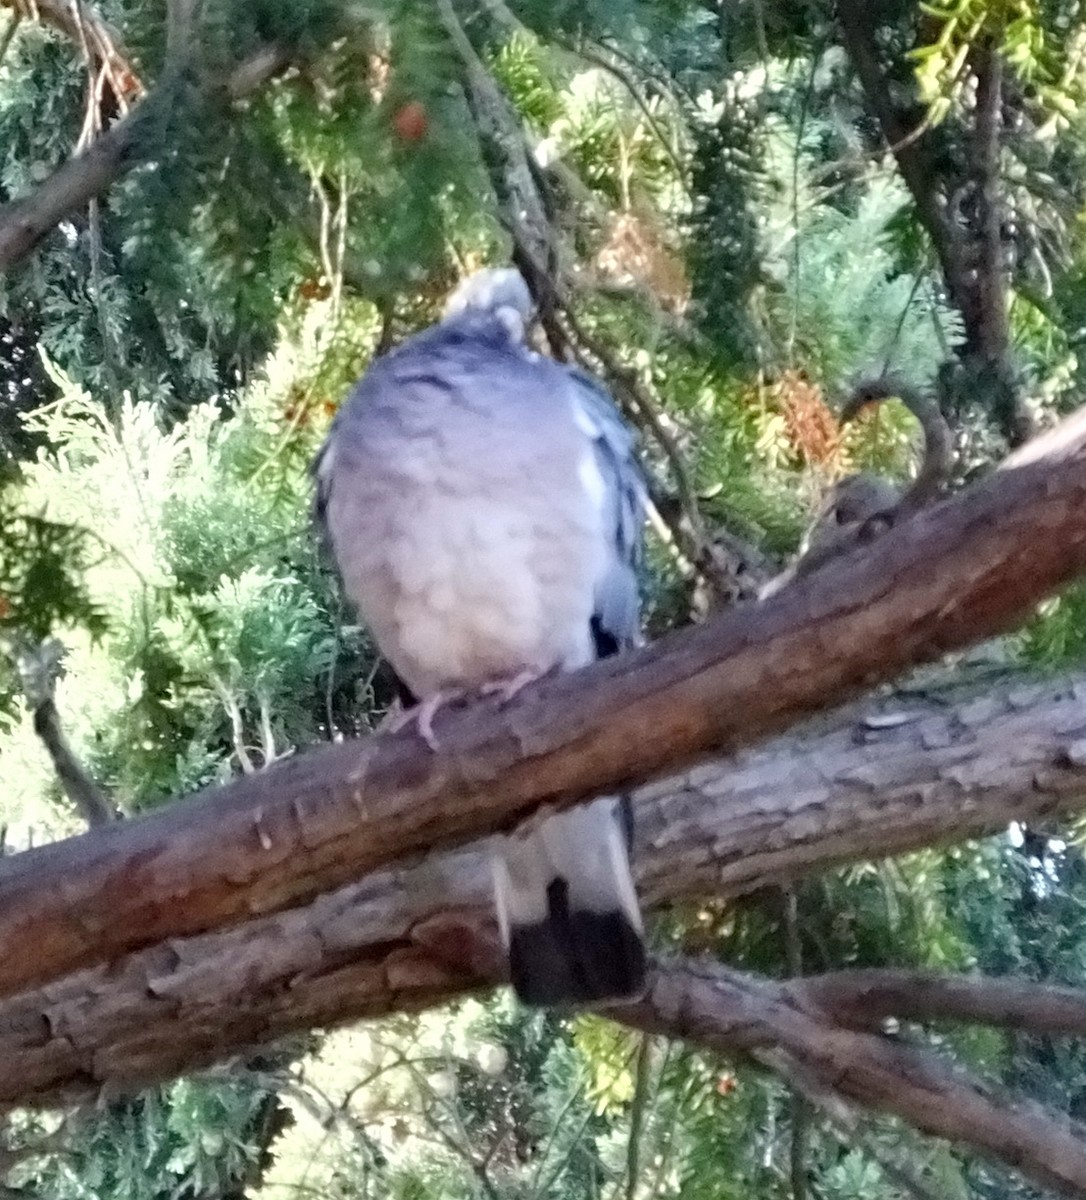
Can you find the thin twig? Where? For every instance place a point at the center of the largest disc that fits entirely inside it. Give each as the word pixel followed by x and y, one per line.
pixel 686 526
pixel 801 1109
pixel 721 1009
pixel 9 33
pixel 901 1177
pixel 638 1109
pixel 584 50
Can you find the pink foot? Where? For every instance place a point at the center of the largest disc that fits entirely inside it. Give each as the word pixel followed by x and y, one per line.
pixel 508 688
pixel 422 716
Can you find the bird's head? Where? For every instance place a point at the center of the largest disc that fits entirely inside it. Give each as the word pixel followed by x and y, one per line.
pixel 499 291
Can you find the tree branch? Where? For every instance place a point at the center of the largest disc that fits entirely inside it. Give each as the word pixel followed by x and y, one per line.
pixel 879 781
pixel 864 999
pixel 523 202
pixel 911 152
pixel 684 518
pixel 723 1010
pixel 526 211
pixel 965 249
pixel 952 575
pixel 989 328
pixel 86 797
pixel 24 222
pixel 85 27
pixel 130 143
pixel 39 667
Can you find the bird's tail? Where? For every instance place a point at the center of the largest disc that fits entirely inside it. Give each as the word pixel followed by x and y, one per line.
pixel 568 910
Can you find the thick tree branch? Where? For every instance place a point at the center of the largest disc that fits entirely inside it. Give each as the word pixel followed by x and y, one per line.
pixel 24 222
pixel 882 780
pixel 726 1011
pixel 954 574
pixel 730 1012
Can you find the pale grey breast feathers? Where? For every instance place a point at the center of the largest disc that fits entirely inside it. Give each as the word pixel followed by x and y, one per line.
pixel 463 433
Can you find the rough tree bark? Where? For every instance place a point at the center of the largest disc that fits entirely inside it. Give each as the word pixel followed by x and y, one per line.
pixel 965 569
pixel 413 934
pixel 217 926
pixel 723 1010
pixel 864 999
pixel 878 780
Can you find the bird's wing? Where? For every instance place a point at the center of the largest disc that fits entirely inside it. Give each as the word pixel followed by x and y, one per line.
pixel 618 610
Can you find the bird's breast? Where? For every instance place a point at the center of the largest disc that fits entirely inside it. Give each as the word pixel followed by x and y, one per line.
pixel 470 558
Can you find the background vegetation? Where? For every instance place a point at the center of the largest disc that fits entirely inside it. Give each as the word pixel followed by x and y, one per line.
pixel 734 245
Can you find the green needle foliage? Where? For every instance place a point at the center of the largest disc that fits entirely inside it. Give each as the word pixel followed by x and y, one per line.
pixel 734 231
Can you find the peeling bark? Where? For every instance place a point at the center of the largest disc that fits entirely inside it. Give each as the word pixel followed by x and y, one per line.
pixel 963 570
pixel 883 779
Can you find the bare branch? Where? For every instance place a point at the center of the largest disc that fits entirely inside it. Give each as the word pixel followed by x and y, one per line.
pixel 711 1006
pixel 864 999
pixel 9 33
pixel 723 1010
pixel 24 222
pixel 912 152
pixel 182 18
pixel 39 667
pixel 526 212
pixel 973 277
pixel 87 798
pixel 523 203
pixel 84 25
pixel 876 782
pixel 130 143
pixel 990 327
pixel 954 574
pixel 799 1143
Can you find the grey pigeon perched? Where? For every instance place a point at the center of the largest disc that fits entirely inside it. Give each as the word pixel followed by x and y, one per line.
pixel 485 511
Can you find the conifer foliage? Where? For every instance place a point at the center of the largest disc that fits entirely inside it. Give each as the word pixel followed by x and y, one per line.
pixel 212 217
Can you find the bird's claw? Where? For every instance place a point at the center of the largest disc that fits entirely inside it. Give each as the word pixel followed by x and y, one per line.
pixel 422 717
pixel 508 688
pixel 422 714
